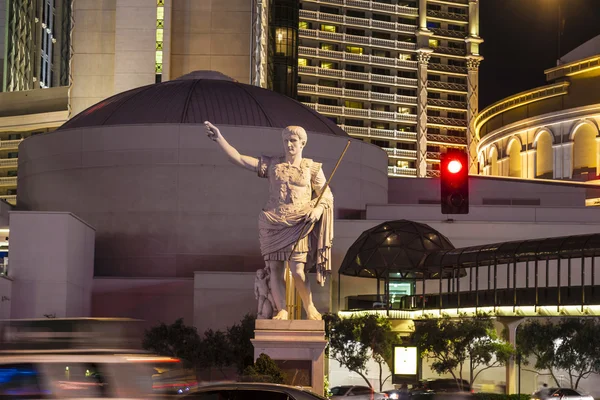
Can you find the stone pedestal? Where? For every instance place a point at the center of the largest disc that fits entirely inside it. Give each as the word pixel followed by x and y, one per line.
pixel 295 340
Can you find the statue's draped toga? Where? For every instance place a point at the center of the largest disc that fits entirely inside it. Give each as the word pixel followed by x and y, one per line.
pixel 292 195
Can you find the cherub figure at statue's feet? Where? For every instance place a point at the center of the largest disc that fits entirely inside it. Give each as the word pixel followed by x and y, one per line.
pixel 282 314
pixel 313 314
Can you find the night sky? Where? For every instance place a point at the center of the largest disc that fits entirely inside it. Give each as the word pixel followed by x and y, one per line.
pixel 521 38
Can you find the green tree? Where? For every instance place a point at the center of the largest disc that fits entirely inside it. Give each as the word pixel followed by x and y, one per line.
pixel 175 340
pixel 215 351
pixel 241 348
pixel 376 333
pixel 344 344
pixel 571 345
pixel 464 343
pixel 264 370
pixel 352 341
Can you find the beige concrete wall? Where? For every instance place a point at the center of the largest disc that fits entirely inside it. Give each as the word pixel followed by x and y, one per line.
pixel 135 44
pixel 5 297
pixel 93 65
pixel 52 264
pixel 211 35
pixel 152 300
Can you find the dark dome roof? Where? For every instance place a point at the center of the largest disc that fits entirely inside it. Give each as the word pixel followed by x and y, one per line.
pixel 394 247
pixel 203 96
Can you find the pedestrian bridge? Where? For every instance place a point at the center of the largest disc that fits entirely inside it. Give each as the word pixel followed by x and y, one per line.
pixel 527 278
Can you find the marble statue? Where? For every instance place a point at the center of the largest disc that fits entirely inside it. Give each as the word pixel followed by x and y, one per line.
pixel 294 185
pixel 262 292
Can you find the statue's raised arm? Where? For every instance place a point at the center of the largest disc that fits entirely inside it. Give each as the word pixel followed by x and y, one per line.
pixel 234 156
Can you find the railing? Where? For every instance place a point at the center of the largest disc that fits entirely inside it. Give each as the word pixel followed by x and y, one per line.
pixel 9 197
pixel 397 171
pixel 553 277
pixel 432 173
pixel 400 153
pixel 358 76
pixel 354 39
pixel 447 86
pixel 378 133
pixel 371 6
pixel 10 144
pixel 448 16
pixel 447 68
pixel 448 33
pixel 457 140
pixel 9 162
pixel 461 2
pixel 360 22
pixel 450 50
pixel 432 155
pixel 367 59
pixel 359 112
pixel 357 94
pixel 447 103
pixel 8 181
pixel 446 121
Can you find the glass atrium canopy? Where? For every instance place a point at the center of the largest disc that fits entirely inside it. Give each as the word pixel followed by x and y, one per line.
pixel 395 247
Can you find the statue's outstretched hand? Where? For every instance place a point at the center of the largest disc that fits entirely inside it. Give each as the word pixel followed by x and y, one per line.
pixel 212 131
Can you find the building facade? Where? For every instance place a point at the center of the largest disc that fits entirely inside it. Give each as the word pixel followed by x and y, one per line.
pixel 400 74
pixel 549 132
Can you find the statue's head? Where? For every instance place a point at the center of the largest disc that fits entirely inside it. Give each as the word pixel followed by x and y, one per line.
pixel 294 139
pixel 260 274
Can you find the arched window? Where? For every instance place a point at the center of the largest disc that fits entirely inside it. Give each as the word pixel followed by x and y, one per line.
pixel 584 152
pixel 514 158
pixel 544 156
pixel 494 161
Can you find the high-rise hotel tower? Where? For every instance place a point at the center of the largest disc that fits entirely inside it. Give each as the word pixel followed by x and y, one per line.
pixel 402 74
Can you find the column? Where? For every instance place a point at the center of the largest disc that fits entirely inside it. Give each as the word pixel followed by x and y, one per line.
pixel 511 324
pixel 423 15
pixel 556 161
pixel 472 109
pixel 259 44
pixel 473 60
pixel 423 56
pixel 567 160
pixel 528 163
pixel 598 156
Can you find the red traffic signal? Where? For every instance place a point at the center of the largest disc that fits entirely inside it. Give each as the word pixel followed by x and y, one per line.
pixel 454 166
pixel 454 182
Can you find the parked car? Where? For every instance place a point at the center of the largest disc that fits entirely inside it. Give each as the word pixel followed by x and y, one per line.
pixel 560 394
pixel 398 394
pixel 443 385
pixel 353 392
pixel 251 391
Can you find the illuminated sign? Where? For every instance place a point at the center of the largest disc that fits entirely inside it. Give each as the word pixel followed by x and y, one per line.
pixel 405 360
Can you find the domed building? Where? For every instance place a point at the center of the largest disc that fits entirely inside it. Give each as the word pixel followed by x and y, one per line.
pixel 163 198
pixel 549 132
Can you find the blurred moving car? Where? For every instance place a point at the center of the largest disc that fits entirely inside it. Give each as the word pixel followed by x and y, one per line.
pixel 80 375
pixel 83 358
pixel 251 391
pixel 355 392
pixel 560 394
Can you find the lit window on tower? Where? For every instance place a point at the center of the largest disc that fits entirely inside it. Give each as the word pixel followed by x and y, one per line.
pixel 160 24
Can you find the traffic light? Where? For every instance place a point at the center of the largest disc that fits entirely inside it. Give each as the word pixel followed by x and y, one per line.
pixel 454 182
